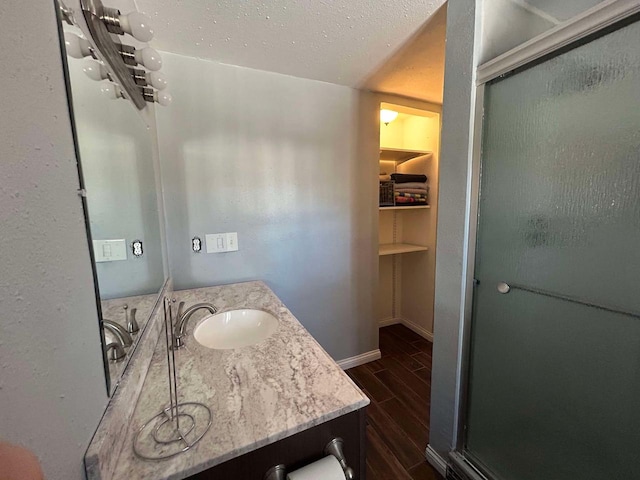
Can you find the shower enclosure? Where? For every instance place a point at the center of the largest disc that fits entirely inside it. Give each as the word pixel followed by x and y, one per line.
pixel 553 380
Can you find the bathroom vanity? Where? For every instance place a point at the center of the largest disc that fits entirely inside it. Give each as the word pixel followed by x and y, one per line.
pixel 279 401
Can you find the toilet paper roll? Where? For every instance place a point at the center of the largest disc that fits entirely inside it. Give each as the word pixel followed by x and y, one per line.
pixel 327 468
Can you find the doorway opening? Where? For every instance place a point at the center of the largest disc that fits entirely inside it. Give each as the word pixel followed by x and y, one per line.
pixel 409 89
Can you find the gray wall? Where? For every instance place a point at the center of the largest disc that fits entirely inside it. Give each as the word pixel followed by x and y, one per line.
pixel 52 386
pixel 289 164
pixel 455 168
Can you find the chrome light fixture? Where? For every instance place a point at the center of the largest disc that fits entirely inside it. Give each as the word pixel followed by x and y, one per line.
pixel 114 59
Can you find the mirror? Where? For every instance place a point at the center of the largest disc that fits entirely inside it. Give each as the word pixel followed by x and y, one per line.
pixel 118 167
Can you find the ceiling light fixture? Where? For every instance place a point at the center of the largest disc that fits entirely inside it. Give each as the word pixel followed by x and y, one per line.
pixel 387 116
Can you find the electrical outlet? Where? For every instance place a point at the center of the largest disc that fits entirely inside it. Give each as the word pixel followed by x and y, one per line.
pixel 196 244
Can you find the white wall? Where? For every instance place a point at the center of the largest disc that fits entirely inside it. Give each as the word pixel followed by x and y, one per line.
pixel 52 385
pixel 289 164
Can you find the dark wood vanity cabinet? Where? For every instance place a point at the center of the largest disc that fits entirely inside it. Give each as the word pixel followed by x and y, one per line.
pixel 299 450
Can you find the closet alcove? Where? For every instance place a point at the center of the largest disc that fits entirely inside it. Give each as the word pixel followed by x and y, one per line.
pixel 410 144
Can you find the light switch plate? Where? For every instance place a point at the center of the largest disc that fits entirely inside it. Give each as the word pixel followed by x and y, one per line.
pixel 222 242
pixel 216 242
pixel 232 242
pixel 110 250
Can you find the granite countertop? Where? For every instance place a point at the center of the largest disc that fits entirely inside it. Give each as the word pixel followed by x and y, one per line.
pixel 258 394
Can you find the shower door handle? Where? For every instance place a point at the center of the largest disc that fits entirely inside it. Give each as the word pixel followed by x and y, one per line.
pixel 504 288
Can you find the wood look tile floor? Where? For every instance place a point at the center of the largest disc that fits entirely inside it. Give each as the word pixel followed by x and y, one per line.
pixel 399 386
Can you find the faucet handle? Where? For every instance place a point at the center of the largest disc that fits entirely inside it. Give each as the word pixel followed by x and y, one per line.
pixel 180 310
pixel 132 324
pixel 115 352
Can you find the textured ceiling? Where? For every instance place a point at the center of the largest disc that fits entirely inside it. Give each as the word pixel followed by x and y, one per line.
pixel 340 42
pixel 417 69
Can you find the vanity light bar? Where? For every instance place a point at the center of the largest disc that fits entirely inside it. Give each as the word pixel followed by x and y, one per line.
pixel 145 79
pixel 67 14
pixel 151 95
pixel 147 57
pixel 135 24
pixel 117 59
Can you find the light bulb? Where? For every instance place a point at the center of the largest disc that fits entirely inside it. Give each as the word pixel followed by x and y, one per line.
pixel 76 47
pixel 388 116
pixel 94 70
pixel 156 80
pixel 149 58
pixel 111 90
pixel 163 98
pixel 137 25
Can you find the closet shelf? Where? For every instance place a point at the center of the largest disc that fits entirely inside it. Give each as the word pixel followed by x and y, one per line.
pixel 396 248
pixel 419 207
pixel 400 155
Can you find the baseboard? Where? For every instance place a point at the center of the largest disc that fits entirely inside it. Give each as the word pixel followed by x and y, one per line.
pixel 436 461
pixel 359 359
pixel 423 332
pixel 389 321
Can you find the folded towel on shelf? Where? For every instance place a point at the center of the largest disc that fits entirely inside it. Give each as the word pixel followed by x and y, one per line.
pixel 384 177
pixel 410 195
pixel 413 185
pixel 423 191
pixel 406 178
pixel 410 201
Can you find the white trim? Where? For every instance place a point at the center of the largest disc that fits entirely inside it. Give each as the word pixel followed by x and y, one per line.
pixel 471 224
pixel 601 16
pixel 423 332
pixel 536 11
pixel 436 461
pixel 389 321
pixel 359 359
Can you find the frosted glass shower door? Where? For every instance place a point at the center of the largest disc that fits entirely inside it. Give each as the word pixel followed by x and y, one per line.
pixel 554 380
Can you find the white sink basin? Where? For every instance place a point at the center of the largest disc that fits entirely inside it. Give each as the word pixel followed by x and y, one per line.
pixel 235 329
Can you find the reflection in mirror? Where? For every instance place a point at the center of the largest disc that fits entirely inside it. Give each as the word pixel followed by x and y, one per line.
pixel 119 171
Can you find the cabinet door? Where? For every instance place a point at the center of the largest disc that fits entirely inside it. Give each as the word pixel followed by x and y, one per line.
pixel 299 450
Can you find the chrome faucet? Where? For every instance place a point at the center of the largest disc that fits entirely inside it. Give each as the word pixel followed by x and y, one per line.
pixel 183 318
pixel 118 331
